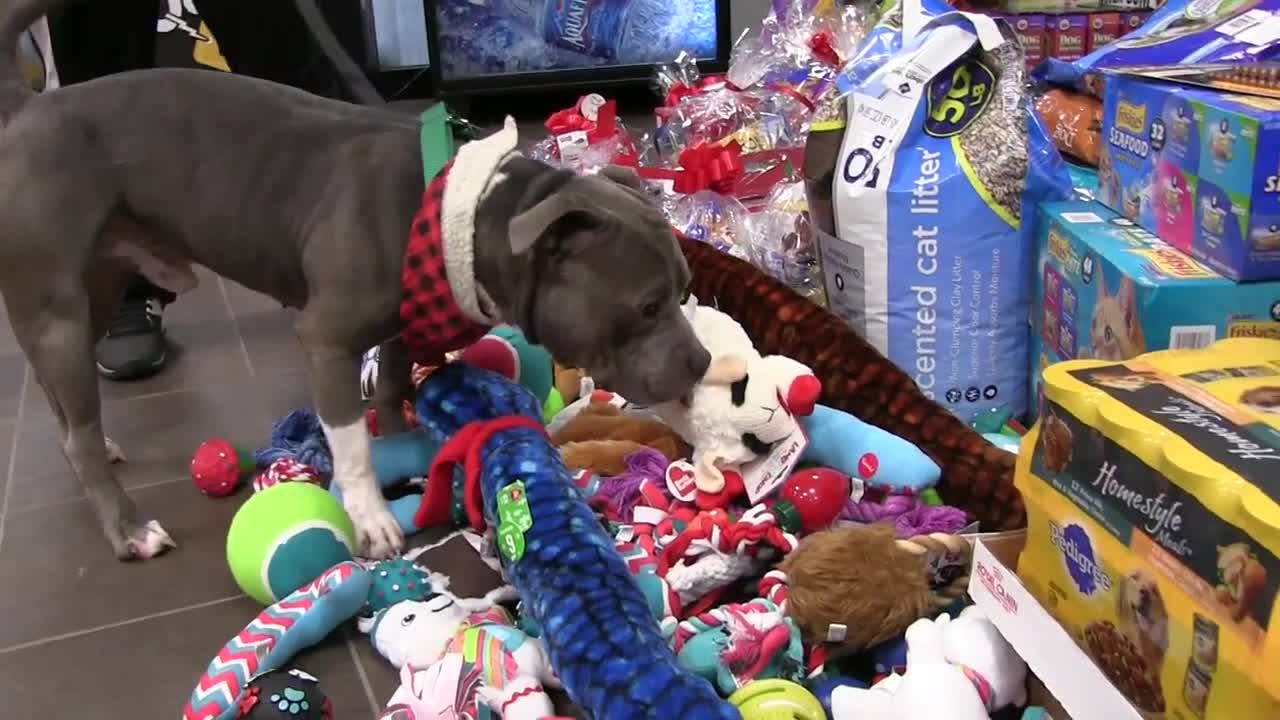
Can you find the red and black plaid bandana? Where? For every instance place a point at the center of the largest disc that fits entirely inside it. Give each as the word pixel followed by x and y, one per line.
pixel 431 322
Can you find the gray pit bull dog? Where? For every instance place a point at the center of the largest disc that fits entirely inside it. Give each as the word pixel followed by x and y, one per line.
pixel 310 201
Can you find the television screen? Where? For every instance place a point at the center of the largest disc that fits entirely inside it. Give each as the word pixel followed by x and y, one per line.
pixel 399 34
pixel 479 38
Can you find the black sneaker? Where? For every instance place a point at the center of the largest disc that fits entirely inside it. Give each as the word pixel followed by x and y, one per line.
pixel 134 346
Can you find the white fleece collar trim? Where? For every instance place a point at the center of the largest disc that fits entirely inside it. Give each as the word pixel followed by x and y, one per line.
pixel 474 169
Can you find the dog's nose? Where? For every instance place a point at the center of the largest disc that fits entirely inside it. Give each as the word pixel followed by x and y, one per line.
pixel 698 360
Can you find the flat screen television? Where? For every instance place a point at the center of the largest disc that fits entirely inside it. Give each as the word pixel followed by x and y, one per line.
pixel 481 46
pixel 394 48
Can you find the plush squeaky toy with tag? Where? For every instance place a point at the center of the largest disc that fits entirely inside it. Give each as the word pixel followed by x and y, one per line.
pixel 502 666
pixel 744 404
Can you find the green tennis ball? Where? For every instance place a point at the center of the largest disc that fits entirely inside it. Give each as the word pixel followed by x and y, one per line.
pixel 284 537
pixel 761 699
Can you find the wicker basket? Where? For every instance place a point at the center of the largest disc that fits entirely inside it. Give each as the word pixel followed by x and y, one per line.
pixel 856 378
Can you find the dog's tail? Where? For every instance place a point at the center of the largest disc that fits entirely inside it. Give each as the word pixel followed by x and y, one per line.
pixel 16 16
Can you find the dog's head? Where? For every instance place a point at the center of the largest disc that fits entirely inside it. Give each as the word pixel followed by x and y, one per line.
pixel 1141 604
pixel 1116 333
pixel 598 278
pixel 1264 399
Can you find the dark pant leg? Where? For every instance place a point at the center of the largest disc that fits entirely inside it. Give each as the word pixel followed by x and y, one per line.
pixel 92 38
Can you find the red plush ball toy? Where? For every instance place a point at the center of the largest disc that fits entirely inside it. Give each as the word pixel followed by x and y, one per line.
pixel 217 466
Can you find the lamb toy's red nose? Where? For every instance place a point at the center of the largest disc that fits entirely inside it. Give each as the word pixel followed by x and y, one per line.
pixel 803 395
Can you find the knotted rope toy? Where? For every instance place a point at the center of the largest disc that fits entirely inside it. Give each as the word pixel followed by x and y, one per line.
pixel 602 638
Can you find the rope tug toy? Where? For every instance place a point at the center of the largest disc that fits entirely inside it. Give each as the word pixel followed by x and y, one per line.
pixel 603 640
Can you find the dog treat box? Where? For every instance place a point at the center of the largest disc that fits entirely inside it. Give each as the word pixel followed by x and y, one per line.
pixel 1108 289
pixel 1068 36
pixel 1199 168
pixel 1152 490
pixel 1032 34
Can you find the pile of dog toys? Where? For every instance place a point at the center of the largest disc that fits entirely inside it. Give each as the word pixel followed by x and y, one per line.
pixel 749 535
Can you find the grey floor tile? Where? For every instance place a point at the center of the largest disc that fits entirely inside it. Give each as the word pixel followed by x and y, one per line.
pixel 7 430
pixel 243 300
pixel 270 340
pixel 13 368
pixel 148 669
pixel 58 575
pixel 158 434
pixel 201 352
pixel 283 392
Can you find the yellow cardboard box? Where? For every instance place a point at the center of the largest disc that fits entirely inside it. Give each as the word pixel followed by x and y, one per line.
pixel 1153 501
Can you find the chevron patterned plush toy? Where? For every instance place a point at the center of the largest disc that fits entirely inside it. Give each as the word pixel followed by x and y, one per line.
pixel 297 622
pixel 604 644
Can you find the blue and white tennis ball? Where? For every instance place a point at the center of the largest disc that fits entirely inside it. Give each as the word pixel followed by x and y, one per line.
pixel 286 536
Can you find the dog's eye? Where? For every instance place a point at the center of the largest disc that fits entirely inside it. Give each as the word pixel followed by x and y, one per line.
pixel 651 310
pixel 407 620
pixel 1108 334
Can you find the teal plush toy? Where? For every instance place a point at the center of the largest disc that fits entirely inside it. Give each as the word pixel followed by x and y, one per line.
pixel 281 631
pixel 738 643
pixel 506 351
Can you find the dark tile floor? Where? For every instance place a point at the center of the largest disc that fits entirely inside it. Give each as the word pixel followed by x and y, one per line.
pixel 82 635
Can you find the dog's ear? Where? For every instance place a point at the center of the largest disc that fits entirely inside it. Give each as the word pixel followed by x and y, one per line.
pixel 624 176
pixel 1128 293
pixel 525 228
pixel 726 370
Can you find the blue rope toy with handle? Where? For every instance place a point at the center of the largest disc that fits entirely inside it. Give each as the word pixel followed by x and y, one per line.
pixel 599 632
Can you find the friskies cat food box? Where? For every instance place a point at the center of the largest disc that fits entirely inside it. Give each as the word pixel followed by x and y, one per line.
pixel 1108 289
pixel 1199 168
pixel 1153 524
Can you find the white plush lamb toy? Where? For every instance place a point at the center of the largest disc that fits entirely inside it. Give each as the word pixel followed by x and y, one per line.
pixel 744 404
pixel 959 669
pixel 418 634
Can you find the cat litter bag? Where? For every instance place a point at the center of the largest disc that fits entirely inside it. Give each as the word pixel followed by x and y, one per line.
pixel 942 158
pixel 1183 31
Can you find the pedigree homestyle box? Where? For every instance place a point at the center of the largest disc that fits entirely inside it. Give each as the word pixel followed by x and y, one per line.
pixel 1153 525
pixel 1108 289
pixel 1199 168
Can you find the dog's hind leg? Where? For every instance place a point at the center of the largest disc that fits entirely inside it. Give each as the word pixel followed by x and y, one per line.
pixel 53 323
pixel 106 288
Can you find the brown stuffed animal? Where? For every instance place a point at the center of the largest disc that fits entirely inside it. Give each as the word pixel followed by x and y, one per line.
pixel 601 436
pixel 870 582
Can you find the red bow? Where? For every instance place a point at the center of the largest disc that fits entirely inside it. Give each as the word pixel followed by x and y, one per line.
pixel 709 167
pixel 571 119
pixel 680 91
pixel 823 50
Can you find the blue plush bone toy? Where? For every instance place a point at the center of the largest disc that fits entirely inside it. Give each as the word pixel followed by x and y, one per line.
pixel 603 641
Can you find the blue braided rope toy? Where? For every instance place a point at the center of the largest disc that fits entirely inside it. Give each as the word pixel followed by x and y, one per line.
pixel 599 632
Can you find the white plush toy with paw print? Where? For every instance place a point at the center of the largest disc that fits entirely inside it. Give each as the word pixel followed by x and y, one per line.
pixel 957 668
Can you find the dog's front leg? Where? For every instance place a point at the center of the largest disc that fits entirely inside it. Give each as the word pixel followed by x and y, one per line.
pixel 335 373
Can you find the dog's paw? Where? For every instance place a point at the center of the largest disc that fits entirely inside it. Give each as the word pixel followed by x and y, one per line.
pixel 143 542
pixel 377 531
pixel 115 454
